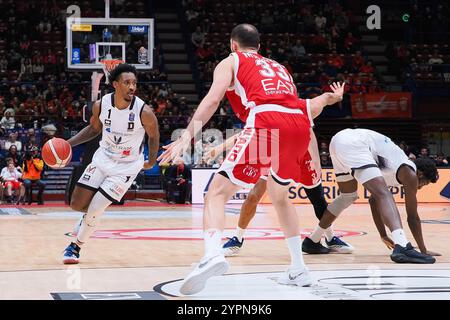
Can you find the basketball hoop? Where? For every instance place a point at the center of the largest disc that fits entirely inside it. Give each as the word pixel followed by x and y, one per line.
pixel 109 65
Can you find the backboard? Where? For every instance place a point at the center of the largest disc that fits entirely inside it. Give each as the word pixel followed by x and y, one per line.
pixel 91 40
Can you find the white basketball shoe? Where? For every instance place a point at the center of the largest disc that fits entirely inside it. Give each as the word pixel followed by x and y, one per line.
pixel 300 278
pixel 207 268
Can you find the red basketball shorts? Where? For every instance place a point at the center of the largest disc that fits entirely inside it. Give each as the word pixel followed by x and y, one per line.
pixel 274 141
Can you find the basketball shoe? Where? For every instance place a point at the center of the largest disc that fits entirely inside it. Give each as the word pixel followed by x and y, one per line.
pixel 232 246
pixel 312 247
pixel 207 268
pixel 300 278
pixel 409 255
pixel 337 245
pixel 71 254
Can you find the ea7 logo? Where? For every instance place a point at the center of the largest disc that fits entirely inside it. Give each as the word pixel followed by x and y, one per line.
pixel 374 20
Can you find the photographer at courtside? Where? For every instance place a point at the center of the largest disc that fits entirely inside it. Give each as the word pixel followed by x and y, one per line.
pixel 32 169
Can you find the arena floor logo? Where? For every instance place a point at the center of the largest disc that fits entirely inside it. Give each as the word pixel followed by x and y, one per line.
pixel 197 234
pixel 372 283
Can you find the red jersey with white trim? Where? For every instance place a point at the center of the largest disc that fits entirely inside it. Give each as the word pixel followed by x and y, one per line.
pixel 242 112
pixel 303 104
pixel 259 81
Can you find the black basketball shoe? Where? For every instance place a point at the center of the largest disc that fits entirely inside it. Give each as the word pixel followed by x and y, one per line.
pixel 312 247
pixel 409 255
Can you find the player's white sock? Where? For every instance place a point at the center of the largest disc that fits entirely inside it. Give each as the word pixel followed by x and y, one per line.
pixel 316 235
pixel 329 234
pixel 213 239
pixel 295 245
pixel 240 233
pixel 399 237
pixel 98 205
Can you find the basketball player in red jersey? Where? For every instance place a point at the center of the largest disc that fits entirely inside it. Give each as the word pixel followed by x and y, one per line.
pixel 274 141
pixel 310 180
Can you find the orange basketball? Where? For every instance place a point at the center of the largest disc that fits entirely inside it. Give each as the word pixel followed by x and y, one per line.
pixel 56 153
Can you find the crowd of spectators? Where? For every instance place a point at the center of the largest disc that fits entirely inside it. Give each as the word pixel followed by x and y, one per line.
pixel 22 168
pixel 414 152
pixel 424 57
pixel 37 91
pixel 321 47
pixel 39 98
pixel 33 36
pixel 425 63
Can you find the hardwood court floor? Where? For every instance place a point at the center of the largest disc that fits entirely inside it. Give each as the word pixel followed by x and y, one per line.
pixel 145 251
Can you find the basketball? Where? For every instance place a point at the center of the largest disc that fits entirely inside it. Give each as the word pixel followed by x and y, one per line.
pixel 56 153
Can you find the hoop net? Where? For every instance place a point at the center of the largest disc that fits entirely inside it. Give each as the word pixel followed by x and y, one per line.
pixel 109 65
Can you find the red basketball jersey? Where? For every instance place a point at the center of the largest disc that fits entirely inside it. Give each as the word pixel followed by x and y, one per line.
pixel 239 109
pixel 262 81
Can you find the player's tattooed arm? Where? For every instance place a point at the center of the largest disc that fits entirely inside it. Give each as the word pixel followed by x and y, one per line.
pixel 91 131
pixel 328 98
pixel 150 123
pixel 409 180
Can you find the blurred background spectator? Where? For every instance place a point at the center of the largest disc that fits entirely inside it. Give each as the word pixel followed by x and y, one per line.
pixel 178 178
pixel 32 169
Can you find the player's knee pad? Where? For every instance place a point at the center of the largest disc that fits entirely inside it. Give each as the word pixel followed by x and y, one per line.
pixel 342 202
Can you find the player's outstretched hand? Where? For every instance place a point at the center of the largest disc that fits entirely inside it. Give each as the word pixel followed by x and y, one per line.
pixel 338 91
pixel 388 242
pixel 174 150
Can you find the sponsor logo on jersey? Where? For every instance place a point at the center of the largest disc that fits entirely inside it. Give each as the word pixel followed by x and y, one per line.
pixel 250 171
pixel 117 190
pixel 117 140
pixel 87 177
pixel 126 152
pixel 119 134
pixel 107 122
pixel 131 116
pixel 113 147
pixel 91 169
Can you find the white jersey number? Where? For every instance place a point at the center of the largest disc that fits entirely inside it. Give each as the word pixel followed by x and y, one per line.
pixel 269 72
